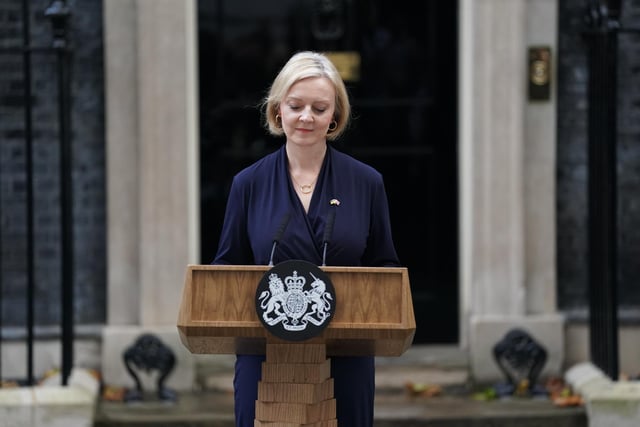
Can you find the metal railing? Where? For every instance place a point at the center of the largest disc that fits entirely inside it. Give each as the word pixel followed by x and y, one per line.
pixel 58 13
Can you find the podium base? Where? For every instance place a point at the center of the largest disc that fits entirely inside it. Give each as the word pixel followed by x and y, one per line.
pixel 332 423
pixel 296 388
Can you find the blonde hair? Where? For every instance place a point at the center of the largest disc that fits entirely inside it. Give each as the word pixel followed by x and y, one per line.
pixel 301 66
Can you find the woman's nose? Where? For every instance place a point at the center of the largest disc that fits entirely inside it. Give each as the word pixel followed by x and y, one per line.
pixel 305 115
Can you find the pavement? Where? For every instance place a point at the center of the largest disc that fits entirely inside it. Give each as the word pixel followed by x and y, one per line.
pixel 408 395
pixel 215 409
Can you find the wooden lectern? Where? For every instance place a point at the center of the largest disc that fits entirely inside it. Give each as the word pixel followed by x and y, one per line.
pixel 373 316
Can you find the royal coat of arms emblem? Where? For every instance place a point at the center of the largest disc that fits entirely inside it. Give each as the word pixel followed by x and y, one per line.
pixel 295 300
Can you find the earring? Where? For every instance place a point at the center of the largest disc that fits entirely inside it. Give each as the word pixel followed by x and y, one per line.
pixel 333 126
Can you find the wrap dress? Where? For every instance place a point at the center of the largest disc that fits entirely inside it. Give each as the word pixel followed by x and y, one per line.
pixel 260 197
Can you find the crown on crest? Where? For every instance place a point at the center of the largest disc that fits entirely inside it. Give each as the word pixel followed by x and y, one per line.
pixel 295 283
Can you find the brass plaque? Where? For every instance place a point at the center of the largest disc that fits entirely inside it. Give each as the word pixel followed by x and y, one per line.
pixel 539 73
pixel 347 63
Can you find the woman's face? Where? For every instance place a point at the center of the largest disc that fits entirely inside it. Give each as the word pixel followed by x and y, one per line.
pixel 307 110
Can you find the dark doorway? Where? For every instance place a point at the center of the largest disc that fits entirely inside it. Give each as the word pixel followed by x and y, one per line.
pixel 404 96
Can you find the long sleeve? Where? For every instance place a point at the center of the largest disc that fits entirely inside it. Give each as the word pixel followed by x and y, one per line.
pixel 380 250
pixel 234 247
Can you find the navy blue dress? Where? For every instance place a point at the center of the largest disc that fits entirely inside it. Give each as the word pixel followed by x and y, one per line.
pixel 260 197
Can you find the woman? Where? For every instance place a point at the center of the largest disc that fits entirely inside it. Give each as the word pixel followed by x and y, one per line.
pixel 308 104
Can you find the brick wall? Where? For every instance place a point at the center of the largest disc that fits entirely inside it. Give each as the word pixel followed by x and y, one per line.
pixel 572 157
pixel 629 157
pixel 89 167
pixel 87 119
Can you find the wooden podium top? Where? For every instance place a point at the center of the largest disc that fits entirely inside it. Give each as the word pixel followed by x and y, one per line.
pixel 373 314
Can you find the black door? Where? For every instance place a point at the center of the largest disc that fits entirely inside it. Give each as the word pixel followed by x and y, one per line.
pixel 404 96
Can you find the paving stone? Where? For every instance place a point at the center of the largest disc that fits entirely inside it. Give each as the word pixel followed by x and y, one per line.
pixel 394 406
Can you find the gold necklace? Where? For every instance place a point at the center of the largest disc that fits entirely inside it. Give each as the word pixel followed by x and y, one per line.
pixel 304 188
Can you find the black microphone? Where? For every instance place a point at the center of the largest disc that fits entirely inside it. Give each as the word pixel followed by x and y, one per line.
pixel 278 235
pixel 328 230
